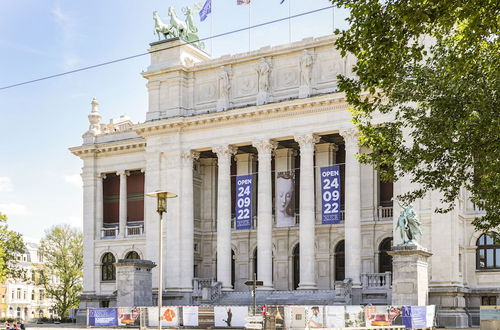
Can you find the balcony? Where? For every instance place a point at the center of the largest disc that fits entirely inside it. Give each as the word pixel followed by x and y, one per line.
pixel 385 213
pixel 135 228
pixel 109 231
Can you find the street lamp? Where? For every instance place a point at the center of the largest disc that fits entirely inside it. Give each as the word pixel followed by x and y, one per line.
pixel 161 207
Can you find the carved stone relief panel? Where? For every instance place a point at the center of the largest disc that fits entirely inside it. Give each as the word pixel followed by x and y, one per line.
pixel 286 77
pixel 245 84
pixel 205 92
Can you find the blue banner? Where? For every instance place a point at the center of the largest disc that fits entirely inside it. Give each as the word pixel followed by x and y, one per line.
pixel 103 317
pixel 414 317
pixel 244 201
pixel 330 194
pixel 207 9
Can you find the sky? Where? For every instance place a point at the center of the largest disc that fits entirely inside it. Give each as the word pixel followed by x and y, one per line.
pixel 40 184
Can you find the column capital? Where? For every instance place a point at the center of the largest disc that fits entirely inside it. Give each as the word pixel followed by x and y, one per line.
pixel 327 147
pixel 265 146
pixel 190 155
pixel 226 150
pixel 306 140
pixel 350 136
pixel 101 175
pixel 123 172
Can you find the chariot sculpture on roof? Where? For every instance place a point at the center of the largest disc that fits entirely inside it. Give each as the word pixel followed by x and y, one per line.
pixel 177 28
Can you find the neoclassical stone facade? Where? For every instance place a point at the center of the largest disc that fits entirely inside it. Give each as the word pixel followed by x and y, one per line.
pixel 270 111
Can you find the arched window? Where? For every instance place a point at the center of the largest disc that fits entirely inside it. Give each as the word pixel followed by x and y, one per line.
pixel 384 259
pixel 133 255
pixel 488 251
pixel 340 261
pixel 108 271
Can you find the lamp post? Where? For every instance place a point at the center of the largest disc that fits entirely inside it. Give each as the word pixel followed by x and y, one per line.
pixel 161 207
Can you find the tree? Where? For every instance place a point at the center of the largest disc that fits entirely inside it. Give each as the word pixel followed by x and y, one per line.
pixel 11 245
pixel 434 67
pixel 62 253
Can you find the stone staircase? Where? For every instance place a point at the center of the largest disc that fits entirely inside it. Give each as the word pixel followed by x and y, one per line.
pixel 299 297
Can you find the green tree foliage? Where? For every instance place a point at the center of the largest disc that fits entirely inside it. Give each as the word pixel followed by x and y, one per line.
pixel 62 253
pixel 11 245
pixel 434 67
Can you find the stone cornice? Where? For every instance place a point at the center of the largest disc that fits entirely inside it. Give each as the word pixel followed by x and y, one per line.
pixel 116 147
pixel 289 108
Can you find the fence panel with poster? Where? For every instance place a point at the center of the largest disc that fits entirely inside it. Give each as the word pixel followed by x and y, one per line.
pixel 313 316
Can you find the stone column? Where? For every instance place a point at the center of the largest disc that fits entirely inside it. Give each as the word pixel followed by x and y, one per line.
pixel 307 216
pixel 224 154
pixel 123 204
pixel 99 202
pixel 264 215
pixel 89 178
pixel 352 207
pixel 187 223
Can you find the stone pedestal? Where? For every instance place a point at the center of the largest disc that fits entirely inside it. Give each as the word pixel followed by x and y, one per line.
pixel 410 283
pixel 133 279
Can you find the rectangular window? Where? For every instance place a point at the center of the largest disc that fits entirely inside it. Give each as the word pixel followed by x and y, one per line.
pixel 41 295
pixel 488 301
pixel 135 196
pixel 33 295
pixel 111 198
pixel 18 293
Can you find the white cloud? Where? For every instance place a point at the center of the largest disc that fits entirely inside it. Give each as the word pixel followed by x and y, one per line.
pixel 74 179
pixel 14 209
pixel 5 184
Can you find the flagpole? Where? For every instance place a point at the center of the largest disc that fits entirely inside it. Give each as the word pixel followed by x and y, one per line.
pixel 289 21
pixel 211 39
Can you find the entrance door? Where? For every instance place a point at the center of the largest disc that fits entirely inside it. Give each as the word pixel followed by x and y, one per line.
pixel 296 266
pixel 384 259
pixel 340 261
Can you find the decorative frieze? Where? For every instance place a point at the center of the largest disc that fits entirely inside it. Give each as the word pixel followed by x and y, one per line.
pixel 224 84
pixel 306 63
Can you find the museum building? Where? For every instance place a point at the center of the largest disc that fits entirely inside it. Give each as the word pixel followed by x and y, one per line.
pixel 264 124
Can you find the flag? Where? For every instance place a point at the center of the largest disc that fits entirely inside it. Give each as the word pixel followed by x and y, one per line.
pixel 243 2
pixel 207 9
